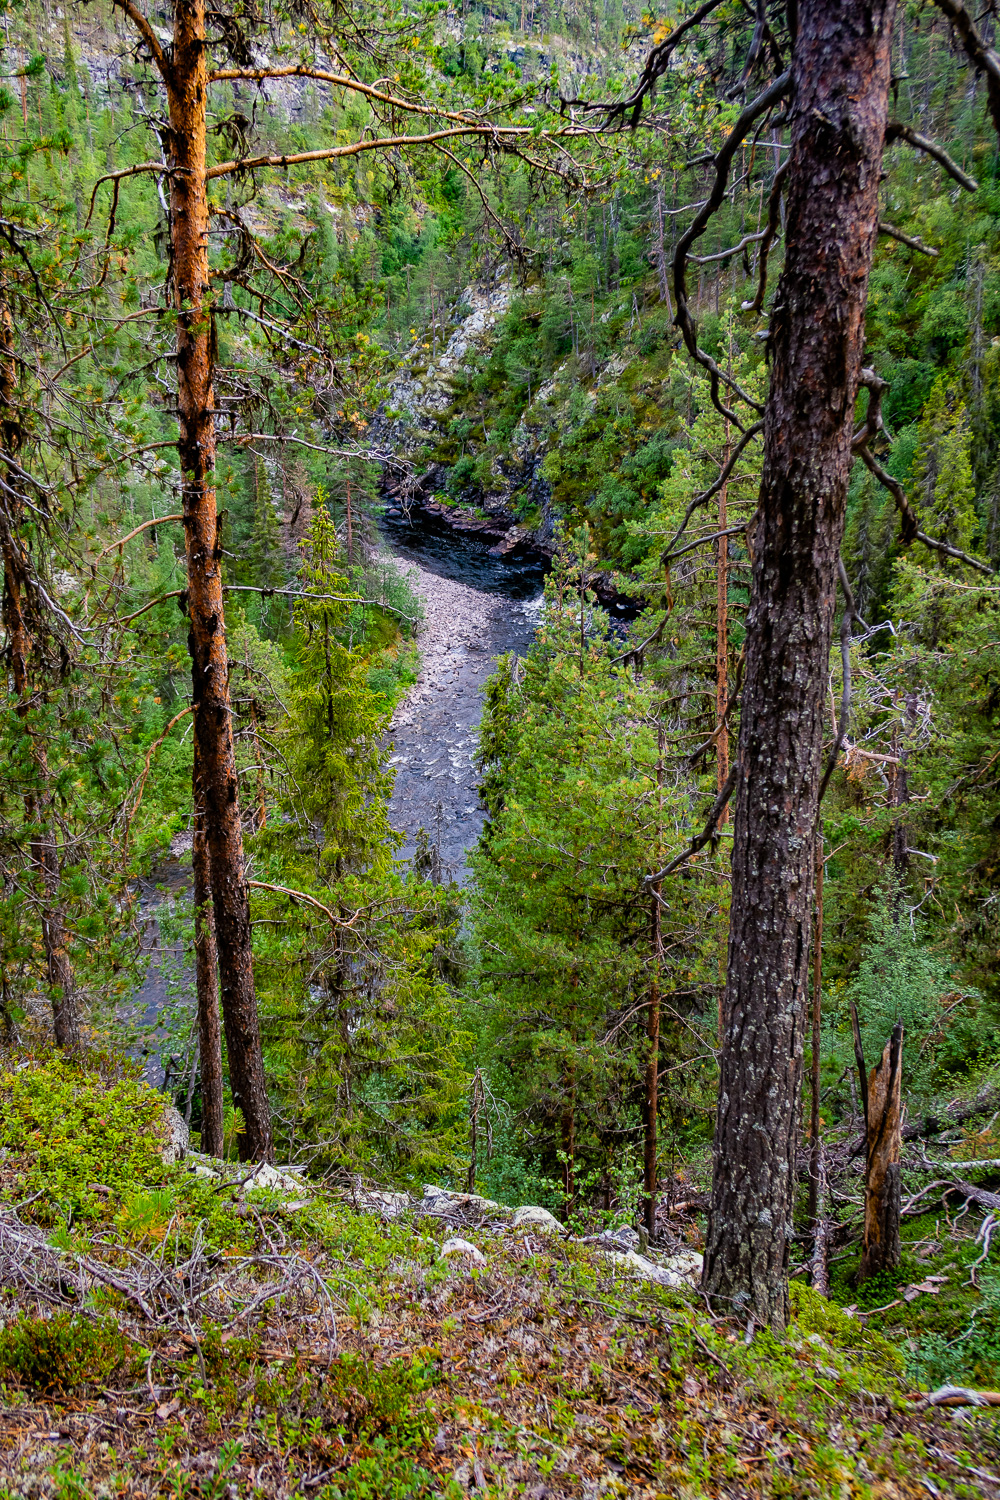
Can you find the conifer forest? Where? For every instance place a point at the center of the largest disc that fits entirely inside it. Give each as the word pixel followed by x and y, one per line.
pixel 500 743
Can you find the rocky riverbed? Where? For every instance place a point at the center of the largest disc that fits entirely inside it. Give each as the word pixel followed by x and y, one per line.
pixel 434 730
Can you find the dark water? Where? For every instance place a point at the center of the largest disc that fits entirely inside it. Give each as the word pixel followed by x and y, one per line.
pixel 460 556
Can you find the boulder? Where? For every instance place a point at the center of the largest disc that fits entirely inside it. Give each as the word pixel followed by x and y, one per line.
pixel 530 1217
pixel 442 1201
pixel 465 1248
pixel 389 1205
pixel 178 1136
pixel 264 1177
pixel 623 1238
pixel 677 1271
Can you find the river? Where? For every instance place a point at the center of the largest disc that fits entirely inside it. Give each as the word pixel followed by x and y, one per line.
pixel 476 607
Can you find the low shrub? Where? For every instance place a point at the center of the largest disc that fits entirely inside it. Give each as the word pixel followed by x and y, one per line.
pixel 52 1356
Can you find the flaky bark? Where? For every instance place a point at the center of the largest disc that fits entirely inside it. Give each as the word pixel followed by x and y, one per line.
pixel 44 848
pixel 652 1102
pixel 880 1247
pixel 815 1143
pixel 840 75
pixel 185 74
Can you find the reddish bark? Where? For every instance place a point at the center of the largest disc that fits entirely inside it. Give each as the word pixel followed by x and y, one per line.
pixel 184 69
pixel 840 75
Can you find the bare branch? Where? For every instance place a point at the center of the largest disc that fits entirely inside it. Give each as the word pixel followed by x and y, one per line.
pixel 773 221
pixel 848 617
pixel 504 138
pixel 338 80
pixel 707 833
pixel 656 65
pixel 116 177
pixel 714 488
pixel 905 239
pixel 982 57
pixel 760 106
pixel 156 521
pixel 897 131
pixel 148 35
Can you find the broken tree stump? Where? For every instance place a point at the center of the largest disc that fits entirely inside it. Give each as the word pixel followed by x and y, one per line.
pixel 881 1094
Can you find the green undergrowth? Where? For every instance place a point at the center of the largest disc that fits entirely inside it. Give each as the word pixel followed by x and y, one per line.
pixel 940 1307
pixel 411 1375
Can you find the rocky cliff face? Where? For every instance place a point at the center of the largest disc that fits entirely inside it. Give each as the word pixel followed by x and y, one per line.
pixel 425 395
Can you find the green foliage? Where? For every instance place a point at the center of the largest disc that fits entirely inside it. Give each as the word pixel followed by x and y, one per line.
pixel 57 1354
pixel 901 979
pixel 561 914
pixel 72 1125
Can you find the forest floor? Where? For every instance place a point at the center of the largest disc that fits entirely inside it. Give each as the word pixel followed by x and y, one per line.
pixel 434 729
pixel 174 1331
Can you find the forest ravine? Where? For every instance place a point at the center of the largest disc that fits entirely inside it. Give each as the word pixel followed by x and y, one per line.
pixel 500 515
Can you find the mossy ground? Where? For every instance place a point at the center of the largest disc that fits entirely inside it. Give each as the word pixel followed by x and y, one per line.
pixel 540 1374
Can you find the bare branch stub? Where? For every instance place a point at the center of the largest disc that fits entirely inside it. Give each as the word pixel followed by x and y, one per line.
pixel 911 242
pixel 897 131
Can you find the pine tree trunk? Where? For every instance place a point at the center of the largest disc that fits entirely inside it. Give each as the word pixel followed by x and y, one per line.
pixel 652 1074
pixel 815 1144
pixel 206 985
pixel 44 848
pixel 187 91
pixel 840 74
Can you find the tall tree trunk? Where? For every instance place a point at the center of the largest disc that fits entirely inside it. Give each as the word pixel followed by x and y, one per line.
pixel 44 847
pixel 652 1073
pixel 187 91
pixel 840 74
pixel 652 1099
pixel 815 1144
pixel 206 983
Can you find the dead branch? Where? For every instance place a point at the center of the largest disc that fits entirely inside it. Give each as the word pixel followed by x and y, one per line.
pixel 897 131
pixel 762 105
pixel 847 618
pixel 655 66
pixel 884 227
pixel 156 521
pixel 773 221
pixel 982 57
pixel 701 839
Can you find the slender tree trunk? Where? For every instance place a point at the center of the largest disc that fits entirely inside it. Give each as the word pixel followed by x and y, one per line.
pixel 840 75
pixel 350 537
pixel 652 1100
pixel 187 92
pixel 815 1144
pixel 206 983
pixel 44 847
pixel 722 694
pixel 722 643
